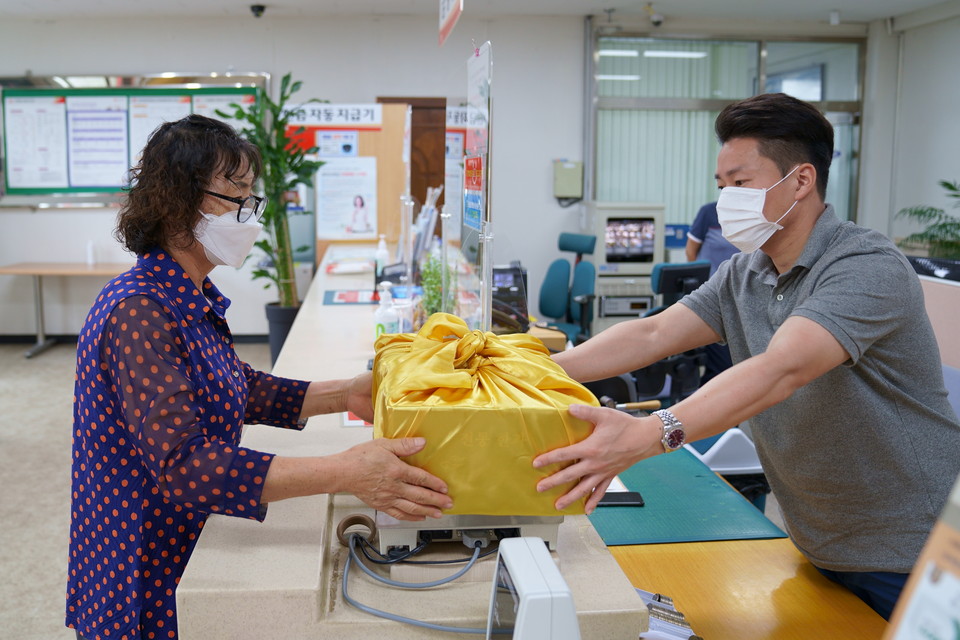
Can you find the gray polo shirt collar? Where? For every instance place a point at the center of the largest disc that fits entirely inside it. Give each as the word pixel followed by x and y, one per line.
pixel 825 228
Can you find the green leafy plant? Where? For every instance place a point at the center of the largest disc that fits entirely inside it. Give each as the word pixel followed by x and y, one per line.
pixel 285 165
pixel 941 236
pixel 431 281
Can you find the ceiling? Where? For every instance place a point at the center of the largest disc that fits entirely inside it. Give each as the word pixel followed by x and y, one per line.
pixel 856 11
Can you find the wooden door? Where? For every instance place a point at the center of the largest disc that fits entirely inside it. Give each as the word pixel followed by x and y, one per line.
pixel 427 143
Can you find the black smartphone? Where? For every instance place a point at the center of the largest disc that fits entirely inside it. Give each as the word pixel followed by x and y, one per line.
pixel 621 499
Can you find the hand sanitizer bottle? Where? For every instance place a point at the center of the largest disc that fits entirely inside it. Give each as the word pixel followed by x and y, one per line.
pixel 385 318
pixel 382 255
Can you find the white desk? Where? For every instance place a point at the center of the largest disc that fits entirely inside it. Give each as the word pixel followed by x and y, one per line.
pixel 281 578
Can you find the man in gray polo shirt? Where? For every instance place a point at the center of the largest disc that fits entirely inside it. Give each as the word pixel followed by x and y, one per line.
pixel 835 363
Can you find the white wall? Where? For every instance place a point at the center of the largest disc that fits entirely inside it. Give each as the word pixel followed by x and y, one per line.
pixel 928 119
pixel 911 124
pixel 537 114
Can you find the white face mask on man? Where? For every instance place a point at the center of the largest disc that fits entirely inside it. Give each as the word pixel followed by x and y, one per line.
pixel 225 239
pixel 740 213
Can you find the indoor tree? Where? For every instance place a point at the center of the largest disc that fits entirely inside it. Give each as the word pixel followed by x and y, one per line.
pixel 285 166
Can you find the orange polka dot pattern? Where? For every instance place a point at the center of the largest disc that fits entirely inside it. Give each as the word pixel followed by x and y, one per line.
pixel 159 403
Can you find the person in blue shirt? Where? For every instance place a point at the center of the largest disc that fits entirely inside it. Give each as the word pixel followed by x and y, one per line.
pixel 161 397
pixel 705 241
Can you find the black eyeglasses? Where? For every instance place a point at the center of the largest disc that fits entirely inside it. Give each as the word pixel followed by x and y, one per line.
pixel 250 207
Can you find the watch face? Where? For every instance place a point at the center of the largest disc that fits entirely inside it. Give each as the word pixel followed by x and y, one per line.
pixel 674 438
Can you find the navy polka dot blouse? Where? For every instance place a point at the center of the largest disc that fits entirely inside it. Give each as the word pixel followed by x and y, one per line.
pixel 159 402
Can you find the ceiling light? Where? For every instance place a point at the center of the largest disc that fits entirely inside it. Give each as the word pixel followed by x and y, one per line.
pixel 619 53
pixel 614 77
pixel 652 53
pixel 87 82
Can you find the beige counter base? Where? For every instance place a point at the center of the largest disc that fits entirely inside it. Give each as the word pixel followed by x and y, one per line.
pixel 267 587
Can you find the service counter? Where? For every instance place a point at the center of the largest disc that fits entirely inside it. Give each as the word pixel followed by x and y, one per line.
pixel 282 578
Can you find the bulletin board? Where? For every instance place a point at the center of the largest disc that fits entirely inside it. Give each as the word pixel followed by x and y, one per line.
pixel 79 141
pixel 386 143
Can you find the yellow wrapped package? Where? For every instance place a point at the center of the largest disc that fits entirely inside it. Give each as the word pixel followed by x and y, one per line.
pixel 487 406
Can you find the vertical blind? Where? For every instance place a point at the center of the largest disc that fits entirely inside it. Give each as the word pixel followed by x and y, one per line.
pixel 657 100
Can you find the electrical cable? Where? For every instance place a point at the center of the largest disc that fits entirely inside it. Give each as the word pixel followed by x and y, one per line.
pixel 366 547
pixel 352 555
pixel 410 585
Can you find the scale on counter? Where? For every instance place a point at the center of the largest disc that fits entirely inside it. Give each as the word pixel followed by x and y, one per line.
pixel 529 595
pixel 399 534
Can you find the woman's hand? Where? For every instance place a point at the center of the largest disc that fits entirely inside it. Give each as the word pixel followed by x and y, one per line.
pixel 374 472
pixel 617 442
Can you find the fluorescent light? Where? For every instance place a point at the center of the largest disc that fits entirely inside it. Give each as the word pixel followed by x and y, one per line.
pixel 619 53
pixel 87 81
pixel 651 53
pixel 614 77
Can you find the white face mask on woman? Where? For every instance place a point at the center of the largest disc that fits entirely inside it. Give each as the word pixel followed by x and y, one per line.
pixel 740 213
pixel 225 239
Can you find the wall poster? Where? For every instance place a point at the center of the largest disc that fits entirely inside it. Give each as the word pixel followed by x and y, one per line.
pixel 347 199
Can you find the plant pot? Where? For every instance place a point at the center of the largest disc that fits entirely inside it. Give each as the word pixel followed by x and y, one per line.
pixel 279 321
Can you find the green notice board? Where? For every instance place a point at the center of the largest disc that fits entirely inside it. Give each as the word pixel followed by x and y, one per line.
pixel 79 141
pixel 685 502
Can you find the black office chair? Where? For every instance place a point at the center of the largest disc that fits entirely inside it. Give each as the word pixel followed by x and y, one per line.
pixel 674 378
pixel 570 302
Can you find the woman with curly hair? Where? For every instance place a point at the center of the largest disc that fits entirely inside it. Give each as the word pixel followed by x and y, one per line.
pixel 161 397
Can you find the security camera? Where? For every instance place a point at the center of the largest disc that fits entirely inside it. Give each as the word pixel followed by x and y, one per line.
pixel 257 9
pixel 656 19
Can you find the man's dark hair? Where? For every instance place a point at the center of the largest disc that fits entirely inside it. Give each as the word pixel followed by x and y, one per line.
pixel 180 160
pixel 788 131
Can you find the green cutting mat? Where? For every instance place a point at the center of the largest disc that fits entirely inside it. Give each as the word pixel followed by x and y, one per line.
pixel 685 502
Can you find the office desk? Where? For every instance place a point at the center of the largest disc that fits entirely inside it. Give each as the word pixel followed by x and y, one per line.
pixel 71 269
pixel 749 590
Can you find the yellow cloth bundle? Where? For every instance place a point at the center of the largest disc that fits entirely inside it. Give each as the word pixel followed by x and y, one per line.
pixel 487 406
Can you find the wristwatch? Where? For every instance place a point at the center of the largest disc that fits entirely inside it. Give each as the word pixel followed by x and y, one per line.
pixel 673 434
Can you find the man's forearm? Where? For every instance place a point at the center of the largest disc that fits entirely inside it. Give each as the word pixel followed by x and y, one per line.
pixel 616 350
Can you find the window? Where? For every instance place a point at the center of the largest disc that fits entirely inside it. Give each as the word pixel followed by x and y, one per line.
pixel 656 101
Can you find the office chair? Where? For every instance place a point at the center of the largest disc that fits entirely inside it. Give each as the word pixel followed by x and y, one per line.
pixel 674 378
pixel 570 303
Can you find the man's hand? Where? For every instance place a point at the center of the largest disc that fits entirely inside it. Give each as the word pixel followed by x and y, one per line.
pixel 360 397
pixel 617 442
pixel 374 472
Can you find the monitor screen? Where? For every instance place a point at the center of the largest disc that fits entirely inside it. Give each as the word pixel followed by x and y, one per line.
pixel 630 239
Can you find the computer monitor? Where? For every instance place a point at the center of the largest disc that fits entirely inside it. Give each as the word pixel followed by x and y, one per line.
pixel 673 280
pixel 632 235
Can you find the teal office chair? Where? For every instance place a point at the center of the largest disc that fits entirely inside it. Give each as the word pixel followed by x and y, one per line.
pixel 569 302
pixel 674 378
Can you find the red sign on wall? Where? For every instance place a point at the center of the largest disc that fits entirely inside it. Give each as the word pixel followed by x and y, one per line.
pixel 473 173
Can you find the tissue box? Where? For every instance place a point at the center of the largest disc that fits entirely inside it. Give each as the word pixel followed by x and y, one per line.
pixel 487 406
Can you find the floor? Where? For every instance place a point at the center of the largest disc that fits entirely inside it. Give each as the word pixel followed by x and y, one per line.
pixel 36 403
pixel 36 399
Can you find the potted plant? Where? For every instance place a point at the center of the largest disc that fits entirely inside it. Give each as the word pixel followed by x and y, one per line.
pixel 285 165
pixel 941 237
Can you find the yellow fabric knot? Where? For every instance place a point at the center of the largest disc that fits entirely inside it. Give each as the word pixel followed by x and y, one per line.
pixel 470 351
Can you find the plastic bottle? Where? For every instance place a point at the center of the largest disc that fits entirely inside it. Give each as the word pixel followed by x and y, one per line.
pixel 385 318
pixel 382 255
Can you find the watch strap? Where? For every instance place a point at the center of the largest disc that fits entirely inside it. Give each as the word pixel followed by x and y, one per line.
pixel 673 436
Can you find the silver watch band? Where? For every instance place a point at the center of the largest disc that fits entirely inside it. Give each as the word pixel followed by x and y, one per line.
pixel 673 436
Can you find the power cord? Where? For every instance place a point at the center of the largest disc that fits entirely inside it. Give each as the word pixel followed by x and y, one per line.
pixel 367 548
pixel 353 556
